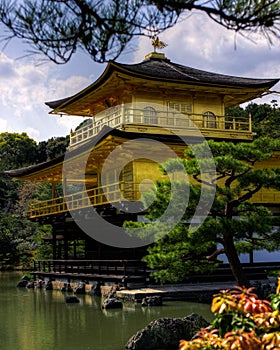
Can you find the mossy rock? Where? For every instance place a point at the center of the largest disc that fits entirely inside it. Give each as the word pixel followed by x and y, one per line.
pixel 165 333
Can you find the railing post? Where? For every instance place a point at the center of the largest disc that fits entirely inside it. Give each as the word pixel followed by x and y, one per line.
pixel 250 122
pixel 122 116
pixel 71 137
pixel 124 267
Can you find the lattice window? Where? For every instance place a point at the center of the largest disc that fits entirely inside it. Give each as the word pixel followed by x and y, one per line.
pixel 210 120
pixel 150 115
pixel 184 108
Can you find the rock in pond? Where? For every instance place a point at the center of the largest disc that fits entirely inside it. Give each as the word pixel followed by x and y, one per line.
pixel 165 333
pixel 49 285
pixel 39 284
pixel 31 284
pixel 67 288
pixel 96 289
pixel 71 299
pixel 155 300
pixel 23 282
pixel 112 303
pixel 81 288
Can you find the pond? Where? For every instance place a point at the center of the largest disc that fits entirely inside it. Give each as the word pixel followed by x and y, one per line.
pixel 41 320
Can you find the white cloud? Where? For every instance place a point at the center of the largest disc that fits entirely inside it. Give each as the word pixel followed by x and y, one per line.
pixel 201 43
pixel 3 125
pixel 33 133
pixel 24 91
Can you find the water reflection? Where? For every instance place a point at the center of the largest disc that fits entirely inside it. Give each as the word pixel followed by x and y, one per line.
pixel 41 320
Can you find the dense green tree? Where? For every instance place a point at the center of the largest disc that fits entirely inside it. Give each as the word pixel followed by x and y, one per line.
pixel 53 148
pixel 16 151
pixel 19 237
pixel 29 238
pixel 265 117
pixel 104 28
pixel 269 125
pixel 259 112
pixel 234 225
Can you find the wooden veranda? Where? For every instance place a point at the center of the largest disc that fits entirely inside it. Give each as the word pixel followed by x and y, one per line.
pixel 118 271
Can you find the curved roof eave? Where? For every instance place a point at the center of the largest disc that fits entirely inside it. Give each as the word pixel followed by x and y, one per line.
pixel 66 101
pixel 18 173
pixel 21 173
pixel 164 70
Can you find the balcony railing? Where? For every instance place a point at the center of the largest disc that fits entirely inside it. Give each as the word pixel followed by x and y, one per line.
pixel 271 197
pixel 118 117
pixel 116 192
pixel 111 193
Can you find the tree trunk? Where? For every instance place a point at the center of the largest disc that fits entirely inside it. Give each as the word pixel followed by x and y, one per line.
pixel 234 261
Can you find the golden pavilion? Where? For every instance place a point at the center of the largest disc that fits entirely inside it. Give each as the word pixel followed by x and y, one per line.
pixel 156 100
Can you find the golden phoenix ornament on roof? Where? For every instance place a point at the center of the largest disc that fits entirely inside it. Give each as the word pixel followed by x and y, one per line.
pixel 158 44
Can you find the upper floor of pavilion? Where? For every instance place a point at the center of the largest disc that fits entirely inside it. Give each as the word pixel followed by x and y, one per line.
pixel 159 96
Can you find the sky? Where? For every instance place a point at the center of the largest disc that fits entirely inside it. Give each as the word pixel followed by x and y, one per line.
pixel 28 81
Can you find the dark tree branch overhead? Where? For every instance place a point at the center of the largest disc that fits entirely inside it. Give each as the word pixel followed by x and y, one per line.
pixel 103 28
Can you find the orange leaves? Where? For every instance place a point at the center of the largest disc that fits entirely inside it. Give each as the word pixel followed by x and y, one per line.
pixel 242 322
pixel 189 345
pixel 271 341
pixel 223 302
pixel 205 339
pixel 267 320
pixel 256 306
pixel 240 299
pixel 240 340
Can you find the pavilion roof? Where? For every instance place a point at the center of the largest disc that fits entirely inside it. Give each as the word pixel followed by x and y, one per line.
pixel 160 70
pixel 98 146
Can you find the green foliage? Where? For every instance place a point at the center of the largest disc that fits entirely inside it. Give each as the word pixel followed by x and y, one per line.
pixel 53 148
pixel 234 225
pixel 180 253
pixel 16 150
pixel 265 117
pixel 21 239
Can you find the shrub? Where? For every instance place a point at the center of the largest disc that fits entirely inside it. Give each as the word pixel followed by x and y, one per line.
pixel 242 322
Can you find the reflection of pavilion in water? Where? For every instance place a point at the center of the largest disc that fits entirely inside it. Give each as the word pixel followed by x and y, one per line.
pixel 155 99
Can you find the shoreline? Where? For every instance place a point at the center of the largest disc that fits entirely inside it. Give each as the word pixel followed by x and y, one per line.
pixel 200 292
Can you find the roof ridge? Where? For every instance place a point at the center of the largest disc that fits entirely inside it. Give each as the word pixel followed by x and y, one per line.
pixel 179 71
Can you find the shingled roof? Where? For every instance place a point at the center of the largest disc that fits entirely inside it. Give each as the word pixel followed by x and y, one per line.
pixel 96 140
pixel 164 70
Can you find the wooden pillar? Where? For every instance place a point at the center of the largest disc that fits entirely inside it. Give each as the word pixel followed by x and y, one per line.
pixel 54 243
pixel 66 245
pixel 59 250
pixel 193 102
pixel 53 190
pixel 75 249
pixel 64 186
